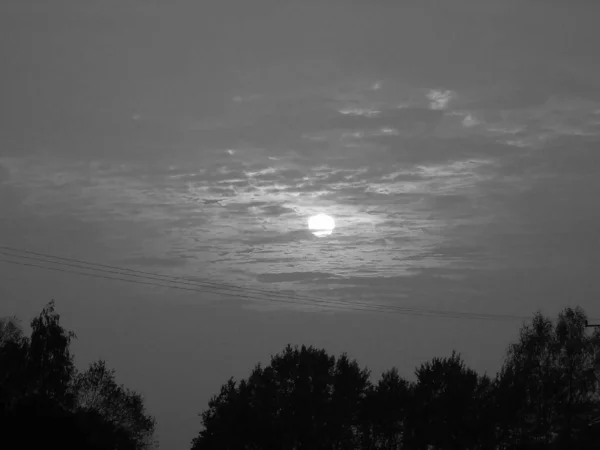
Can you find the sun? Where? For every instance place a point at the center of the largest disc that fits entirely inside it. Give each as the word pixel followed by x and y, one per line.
pixel 321 225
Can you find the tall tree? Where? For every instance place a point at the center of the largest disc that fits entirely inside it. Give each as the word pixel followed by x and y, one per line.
pixel 40 390
pixel 304 399
pixel 51 366
pixel 14 348
pixel 385 411
pixel 547 388
pixel 97 391
pixel 444 411
pixel 350 387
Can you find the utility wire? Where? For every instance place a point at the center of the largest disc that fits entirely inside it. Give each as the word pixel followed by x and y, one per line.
pixel 226 287
pixel 154 284
pixel 169 278
pixel 328 303
pixel 342 307
pixel 184 280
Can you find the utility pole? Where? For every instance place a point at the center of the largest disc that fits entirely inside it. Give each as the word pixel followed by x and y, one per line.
pixel 596 353
pixel 597 364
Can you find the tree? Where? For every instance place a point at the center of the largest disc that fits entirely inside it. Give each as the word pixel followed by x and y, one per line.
pixel 547 390
pixel 10 330
pixel 385 411
pixel 545 396
pixel 445 409
pixel 304 399
pixel 14 348
pixel 97 391
pixel 40 366
pixel 40 390
pixel 486 414
pixel 51 366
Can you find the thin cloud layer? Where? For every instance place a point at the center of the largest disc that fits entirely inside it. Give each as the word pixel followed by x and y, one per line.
pixel 439 173
pixel 404 204
pixel 455 144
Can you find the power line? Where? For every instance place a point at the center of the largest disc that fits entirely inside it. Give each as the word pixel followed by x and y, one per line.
pixel 228 287
pixel 193 282
pixel 184 280
pixel 346 306
pixel 140 282
pixel 170 278
pixel 225 287
pixel 342 307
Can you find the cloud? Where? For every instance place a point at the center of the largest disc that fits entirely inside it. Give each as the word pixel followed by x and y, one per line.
pixel 399 118
pixel 266 237
pixel 294 277
pixel 277 210
pixel 145 261
pixel 432 149
pixel 439 99
pixel 426 183
pixel 470 121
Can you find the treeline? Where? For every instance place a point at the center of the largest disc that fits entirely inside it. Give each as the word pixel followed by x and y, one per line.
pixel 545 396
pixel 46 403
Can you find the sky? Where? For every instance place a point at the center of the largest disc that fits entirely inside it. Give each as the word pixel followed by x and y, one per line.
pixel 455 143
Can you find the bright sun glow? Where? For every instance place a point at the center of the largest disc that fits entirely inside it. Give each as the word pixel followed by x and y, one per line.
pixel 321 225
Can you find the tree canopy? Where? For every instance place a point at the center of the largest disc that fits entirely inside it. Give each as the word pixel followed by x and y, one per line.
pixel 44 401
pixel 545 396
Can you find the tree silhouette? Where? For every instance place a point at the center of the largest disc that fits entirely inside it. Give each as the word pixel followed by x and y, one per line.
pixel 445 407
pixel 544 397
pixel 547 388
pixel 96 391
pixel 304 399
pixel 13 368
pixel 40 391
pixel 50 363
pixel 385 411
pixel 10 329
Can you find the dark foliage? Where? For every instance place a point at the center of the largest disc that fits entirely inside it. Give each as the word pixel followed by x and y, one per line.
pixel 44 401
pixel 545 396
